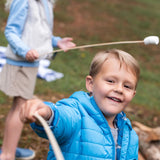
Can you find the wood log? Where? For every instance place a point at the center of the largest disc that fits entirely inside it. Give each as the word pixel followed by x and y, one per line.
pixel 149 141
pixel 150 134
pixel 140 157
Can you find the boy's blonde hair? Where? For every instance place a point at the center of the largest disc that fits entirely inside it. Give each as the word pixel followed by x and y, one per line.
pixel 123 57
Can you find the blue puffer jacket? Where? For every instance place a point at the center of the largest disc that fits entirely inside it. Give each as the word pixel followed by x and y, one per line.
pixel 84 134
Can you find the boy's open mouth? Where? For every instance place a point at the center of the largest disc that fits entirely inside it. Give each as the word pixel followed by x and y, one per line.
pixel 115 99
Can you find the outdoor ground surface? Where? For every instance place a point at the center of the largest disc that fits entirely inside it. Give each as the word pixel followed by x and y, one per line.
pixel 88 22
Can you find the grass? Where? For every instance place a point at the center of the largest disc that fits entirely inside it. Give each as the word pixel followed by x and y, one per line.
pixel 95 22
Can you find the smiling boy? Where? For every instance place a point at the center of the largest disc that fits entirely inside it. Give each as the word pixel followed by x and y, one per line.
pixel 93 125
pixel 113 86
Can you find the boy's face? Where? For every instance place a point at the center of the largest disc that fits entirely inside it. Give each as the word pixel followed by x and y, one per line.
pixel 113 87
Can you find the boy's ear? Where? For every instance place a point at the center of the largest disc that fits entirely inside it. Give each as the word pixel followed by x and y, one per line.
pixel 134 93
pixel 89 83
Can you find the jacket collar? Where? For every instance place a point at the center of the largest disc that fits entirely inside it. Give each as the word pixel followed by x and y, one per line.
pixel 92 109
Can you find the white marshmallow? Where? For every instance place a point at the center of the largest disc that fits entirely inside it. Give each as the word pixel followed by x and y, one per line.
pixel 151 40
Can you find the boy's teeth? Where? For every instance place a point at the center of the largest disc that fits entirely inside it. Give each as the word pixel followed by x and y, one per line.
pixel 115 99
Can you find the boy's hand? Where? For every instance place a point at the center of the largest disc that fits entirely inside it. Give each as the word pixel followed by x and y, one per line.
pixel 31 107
pixel 66 43
pixel 32 55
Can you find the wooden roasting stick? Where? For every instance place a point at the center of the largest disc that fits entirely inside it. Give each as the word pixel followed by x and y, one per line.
pixel 148 40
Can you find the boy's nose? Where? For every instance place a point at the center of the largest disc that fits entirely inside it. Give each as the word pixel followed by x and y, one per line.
pixel 119 88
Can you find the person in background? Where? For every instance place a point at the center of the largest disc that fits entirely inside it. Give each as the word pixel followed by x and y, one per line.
pixel 29 32
pixel 92 125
